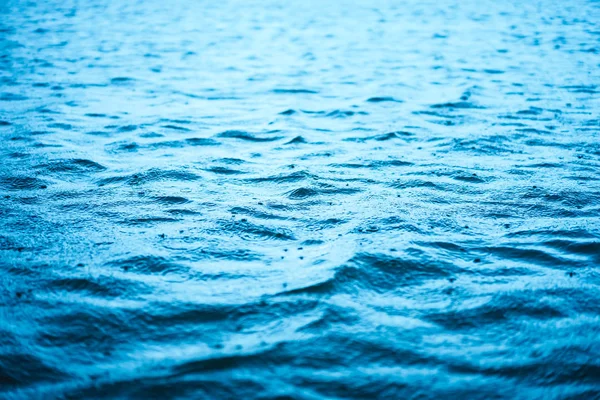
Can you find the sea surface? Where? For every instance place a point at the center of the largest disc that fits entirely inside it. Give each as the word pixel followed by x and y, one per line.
pixel 340 199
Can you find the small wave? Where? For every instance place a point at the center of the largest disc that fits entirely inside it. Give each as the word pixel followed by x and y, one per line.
pixel 294 91
pixel 171 200
pixel 76 165
pixel 345 113
pixel 284 178
pixel 288 112
pixel 224 171
pixel 22 183
pixel 152 175
pixel 457 105
pixel 297 140
pixel 250 137
pixel 383 99
pixel 145 264
pixel 6 96
pixel 120 80
pixel 250 231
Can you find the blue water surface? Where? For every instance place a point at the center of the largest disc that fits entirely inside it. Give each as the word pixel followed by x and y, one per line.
pixel 346 199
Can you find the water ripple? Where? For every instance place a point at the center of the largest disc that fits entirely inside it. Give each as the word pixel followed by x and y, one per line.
pixel 283 201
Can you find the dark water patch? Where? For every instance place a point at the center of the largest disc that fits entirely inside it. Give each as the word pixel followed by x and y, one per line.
pixel 38 371
pixel 574 233
pixel 381 272
pixel 592 122
pixel 332 317
pixel 176 127
pixel 176 121
pixel 6 96
pixel 224 171
pixel 533 131
pixel 246 136
pixel 460 105
pixel 317 155
pixel 227 255
pixel 533 256
pixel 493 71
pixel 183 143
pixel 201 142
pixel 531 111
pixel 183 212
pixel 294 91
pixel 389 224
pixel 471 178
pixel 463 176
pixel 219 363
pixel 297 140
pixel 22 183
pixel 127 128
pixel 58 125
pixel 100 287
pixel 308 192
pixel 232 161
pixel 121 80
pixel 390 163
pixel 384 137
pixel 181 314
pixel 250 231
pixel 328 223
pixel 345 113
pixel 122 147
pixel 147 264
pixel 152 175
pixel 83 328
pixel 252 212
pixel 574 372
pixel 21 139
pixel 151 135
pixel 99 133
pixel 575 247
pixel 542 165
pixel 414 183
pixel 495 145
pixel 5 123
pixel 42 145
pixel 312 242
pixel 502 308
pixel 148 221
pixel 383 99
pixel 87 85
pixel 169 386
pixel 374 164
pixel 18 155
pixel 171 200
pixel 72 166
pixel 587 89
pixel 313 112
pixel 8 243
pixel 448 119
pixel 284 178
pixel 288 112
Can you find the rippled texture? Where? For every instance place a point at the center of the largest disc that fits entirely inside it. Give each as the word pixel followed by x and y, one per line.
pixel 345 199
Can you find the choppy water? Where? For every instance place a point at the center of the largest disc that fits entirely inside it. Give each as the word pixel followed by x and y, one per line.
pixel 345 199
